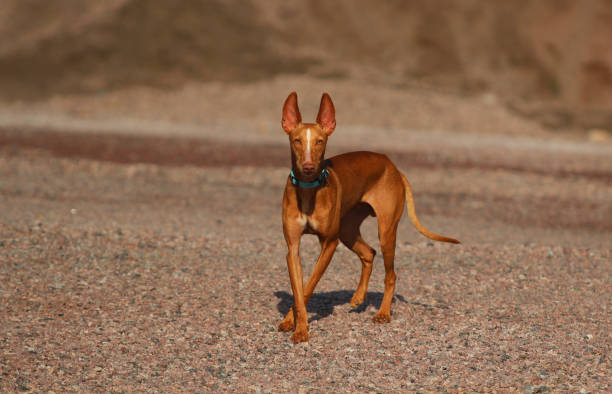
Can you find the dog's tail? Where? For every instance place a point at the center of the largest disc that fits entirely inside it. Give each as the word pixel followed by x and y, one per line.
pixel 415 220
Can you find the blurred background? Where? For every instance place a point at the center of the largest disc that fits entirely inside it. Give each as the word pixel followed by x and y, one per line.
pixel 470 65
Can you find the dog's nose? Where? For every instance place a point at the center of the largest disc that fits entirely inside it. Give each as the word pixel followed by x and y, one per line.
pixel 308 166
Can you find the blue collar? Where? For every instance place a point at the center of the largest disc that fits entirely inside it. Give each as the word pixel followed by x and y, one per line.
pixel 321 180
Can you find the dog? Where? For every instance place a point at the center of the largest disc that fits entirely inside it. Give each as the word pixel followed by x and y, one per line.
pixel 330 199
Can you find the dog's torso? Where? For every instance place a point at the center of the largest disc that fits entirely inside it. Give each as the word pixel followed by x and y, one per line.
pixel 355 178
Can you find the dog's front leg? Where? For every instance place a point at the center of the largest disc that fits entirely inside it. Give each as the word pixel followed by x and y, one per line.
pixel 328 246
pixel 299 318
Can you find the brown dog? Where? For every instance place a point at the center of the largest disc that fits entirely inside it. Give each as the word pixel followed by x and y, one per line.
pixel 331 198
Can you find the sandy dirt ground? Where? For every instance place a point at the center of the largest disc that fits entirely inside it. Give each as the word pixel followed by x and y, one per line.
pixel 134 261
pixel 142 166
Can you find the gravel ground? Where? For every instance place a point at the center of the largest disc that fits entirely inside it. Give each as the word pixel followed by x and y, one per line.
pixel 164 276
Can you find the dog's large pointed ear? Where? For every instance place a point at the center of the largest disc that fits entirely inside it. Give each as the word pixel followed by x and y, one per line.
pixel 327 114
pixel 291 113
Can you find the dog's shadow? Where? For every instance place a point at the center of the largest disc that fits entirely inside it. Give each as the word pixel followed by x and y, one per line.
pixel 322 304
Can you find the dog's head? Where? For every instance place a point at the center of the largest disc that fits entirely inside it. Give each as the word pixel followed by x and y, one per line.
pixel 308 140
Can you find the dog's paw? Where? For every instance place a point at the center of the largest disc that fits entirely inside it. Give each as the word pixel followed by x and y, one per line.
pixel 382 318
pixel 356 300
pixel 286 326
pixel 300 336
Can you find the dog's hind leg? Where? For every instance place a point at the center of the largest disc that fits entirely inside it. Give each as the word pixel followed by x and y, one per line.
pixel 351 238
pixel 387 200
pixel 387 235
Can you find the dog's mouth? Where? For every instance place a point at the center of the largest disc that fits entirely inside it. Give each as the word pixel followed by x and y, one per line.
pixel 309 174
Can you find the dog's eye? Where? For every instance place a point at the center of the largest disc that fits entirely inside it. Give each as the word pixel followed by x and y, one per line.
pixel 297 141
pixel 319 142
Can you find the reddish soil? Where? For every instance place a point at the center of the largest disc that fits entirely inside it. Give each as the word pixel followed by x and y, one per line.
pixel 135 263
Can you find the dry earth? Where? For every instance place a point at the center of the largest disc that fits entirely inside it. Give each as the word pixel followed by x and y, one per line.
pixel 142 167
pixel 144 262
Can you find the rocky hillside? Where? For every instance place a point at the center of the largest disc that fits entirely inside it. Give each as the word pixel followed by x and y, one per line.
pixel 548 59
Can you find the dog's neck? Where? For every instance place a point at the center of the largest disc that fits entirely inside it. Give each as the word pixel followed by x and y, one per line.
pixel 306 200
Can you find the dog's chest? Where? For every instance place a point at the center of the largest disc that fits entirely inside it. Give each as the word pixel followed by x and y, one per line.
pixel 308 223
pixel 314 211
